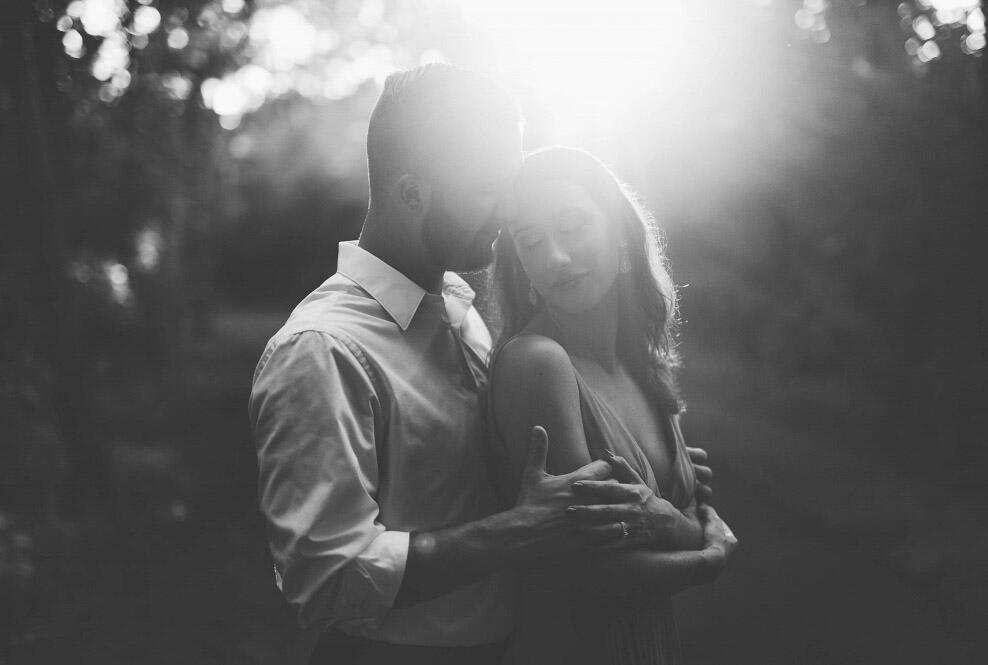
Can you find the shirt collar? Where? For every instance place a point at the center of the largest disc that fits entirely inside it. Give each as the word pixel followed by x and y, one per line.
pixel 397 294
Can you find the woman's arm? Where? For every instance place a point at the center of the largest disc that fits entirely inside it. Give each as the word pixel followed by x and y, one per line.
pixel 534 383
pixel 650 519
pixel 648 572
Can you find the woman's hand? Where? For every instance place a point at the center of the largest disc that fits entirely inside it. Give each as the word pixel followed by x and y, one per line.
pixel 704 474
pixel 646 518
pixel 719 541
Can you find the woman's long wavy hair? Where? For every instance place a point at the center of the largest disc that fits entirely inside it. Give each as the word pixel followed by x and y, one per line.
pixel 647 313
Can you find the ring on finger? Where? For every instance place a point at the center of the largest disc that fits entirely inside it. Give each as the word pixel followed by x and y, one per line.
pixel 624 530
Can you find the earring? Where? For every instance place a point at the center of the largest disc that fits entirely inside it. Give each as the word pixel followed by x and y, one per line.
pixel 624 260
pixel 533 296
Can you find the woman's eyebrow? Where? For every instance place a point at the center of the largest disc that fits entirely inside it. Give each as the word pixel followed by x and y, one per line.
pixel 568 210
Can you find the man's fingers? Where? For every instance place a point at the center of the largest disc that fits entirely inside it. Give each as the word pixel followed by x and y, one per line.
pixel 601 514
pixel 703 473
pixel 703 492
pixel 697 455
pixel 538 451
pixel 622 470
pixel 596 471
pixel 609 492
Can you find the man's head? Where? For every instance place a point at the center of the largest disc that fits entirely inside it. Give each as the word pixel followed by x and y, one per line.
pixel 442 147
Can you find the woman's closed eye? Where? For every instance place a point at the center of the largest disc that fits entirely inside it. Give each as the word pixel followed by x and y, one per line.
pixel 530 240
pixel 572 223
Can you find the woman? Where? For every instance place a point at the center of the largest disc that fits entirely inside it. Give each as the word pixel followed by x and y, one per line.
pixel 588 309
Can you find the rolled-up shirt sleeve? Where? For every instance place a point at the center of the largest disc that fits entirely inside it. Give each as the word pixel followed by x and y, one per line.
pixel 313 408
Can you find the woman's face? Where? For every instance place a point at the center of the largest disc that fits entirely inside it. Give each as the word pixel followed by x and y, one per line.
pixel 568 247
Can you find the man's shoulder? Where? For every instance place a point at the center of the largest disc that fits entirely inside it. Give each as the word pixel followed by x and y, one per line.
pixel 336 315
pixel 338 308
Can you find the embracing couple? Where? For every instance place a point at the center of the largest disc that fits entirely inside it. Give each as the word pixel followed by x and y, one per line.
pixel 433 497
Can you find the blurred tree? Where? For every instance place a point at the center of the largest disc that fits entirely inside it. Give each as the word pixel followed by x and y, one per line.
pixel 41 292
pixel 200 142
pixel 160 92
pixel 156 145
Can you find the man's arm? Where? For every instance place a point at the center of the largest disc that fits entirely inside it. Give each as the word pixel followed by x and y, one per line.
pixel 313 409
pixel 538 525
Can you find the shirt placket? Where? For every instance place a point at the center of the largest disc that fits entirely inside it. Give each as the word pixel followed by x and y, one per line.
pixel 473 365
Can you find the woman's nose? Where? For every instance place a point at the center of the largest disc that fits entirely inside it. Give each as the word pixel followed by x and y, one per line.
pixel 558 256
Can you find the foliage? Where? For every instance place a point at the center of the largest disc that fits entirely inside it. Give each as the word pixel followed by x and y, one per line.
pixel 796 153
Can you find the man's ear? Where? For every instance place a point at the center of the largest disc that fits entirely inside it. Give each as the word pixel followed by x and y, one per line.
pixel 414 193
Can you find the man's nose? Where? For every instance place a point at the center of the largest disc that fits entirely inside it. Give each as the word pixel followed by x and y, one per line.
pixel 506 208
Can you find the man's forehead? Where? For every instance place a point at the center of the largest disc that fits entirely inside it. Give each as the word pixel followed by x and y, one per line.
pixel 484 160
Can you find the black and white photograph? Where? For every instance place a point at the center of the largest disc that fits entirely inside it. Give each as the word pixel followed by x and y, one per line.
pixel 493 332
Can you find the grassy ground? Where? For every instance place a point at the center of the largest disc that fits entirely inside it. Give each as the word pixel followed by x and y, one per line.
pixel 843 558
pixel 850 554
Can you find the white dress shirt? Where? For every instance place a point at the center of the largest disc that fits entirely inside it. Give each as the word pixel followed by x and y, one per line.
pixel 368 423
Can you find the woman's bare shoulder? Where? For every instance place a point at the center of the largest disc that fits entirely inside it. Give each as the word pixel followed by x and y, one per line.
pixel 533 382
pixel 532 358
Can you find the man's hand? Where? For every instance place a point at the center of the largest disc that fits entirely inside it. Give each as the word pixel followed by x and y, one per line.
pixel 704 474
pixel 538 526
pixel 647 517
pixel 544 501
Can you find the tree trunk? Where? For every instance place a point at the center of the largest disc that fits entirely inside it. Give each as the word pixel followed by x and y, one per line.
pixel 90 483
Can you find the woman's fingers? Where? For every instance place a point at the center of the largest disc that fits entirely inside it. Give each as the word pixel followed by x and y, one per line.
pixel 608 491
pixel 606 513
pixel 623 471
pixel 709 513
pixel 714 526
pixel 704 474
pixel 604 534
pixel 697 455
pixel 703 493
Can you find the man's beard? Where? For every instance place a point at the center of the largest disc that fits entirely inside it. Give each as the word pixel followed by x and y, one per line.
pixel 447 243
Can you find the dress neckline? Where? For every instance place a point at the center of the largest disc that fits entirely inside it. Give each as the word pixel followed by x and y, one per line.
pixel 549 328
pixel 615 419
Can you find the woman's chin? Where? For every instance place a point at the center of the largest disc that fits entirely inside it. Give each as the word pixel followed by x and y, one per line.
pixel 575 304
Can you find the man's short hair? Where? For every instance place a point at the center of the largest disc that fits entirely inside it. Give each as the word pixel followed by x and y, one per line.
pixel 432 111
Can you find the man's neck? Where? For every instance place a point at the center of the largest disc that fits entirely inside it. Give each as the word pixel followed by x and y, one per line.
pixel 410 259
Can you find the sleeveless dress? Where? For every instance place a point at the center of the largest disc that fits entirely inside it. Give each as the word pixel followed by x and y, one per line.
pixel 554 626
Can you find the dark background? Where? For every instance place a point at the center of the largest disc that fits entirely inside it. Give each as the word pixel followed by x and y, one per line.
pixel 174 182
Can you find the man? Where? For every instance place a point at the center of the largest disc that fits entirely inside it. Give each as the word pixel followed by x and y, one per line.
pixel 366 409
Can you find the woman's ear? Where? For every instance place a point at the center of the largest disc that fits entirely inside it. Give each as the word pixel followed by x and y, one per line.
pixel 414 193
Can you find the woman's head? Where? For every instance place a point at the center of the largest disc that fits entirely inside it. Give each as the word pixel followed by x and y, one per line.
pixel 581 236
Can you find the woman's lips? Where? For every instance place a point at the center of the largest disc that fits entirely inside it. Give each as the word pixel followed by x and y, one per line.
pixel 568 281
